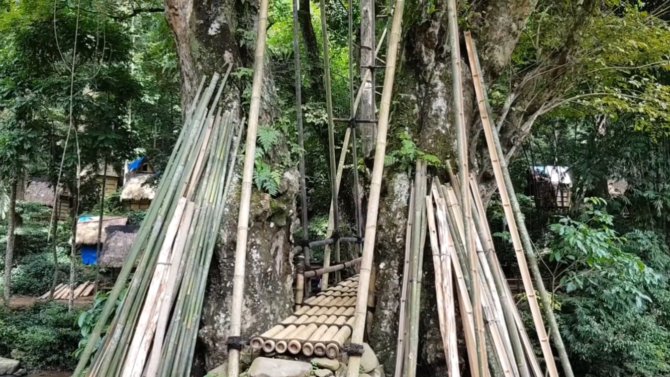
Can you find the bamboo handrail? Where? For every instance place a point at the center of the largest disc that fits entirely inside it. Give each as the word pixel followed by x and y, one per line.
pixel 496 161
pixel 337 267
pixel 375 186
pixel 245 198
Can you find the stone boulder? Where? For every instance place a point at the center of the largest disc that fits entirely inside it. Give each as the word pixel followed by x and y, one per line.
pixel 369 359
pixel 8 366
pixel 325 363
pixel 264 367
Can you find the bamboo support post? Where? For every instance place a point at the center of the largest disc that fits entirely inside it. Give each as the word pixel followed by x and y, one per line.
pixel 402 328
pixel 375 186
pixel 508 197
pixel 245 199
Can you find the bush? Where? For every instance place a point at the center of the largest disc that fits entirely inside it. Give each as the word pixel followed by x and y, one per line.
pixel 33 274
pixel 43 337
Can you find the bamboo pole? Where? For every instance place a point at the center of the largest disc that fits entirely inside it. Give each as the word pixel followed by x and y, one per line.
pixel 375 187
pixel 513 215
pixel 507 310
pixel 245 199
pixel 337 267
pixel 452 239
pixel 463 170
pixel 417 264
pixel 444 292
pixel 402 326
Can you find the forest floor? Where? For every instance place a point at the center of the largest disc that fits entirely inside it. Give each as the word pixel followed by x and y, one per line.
pixel 49 374
pixel 25 302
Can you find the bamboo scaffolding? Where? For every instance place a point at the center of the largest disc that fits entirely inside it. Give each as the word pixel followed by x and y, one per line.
pixel 245 198
pixel 337 267
pixel 340 168
pixel 402 323
pixel 506 193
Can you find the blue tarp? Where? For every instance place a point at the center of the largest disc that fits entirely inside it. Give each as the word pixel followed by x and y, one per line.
pixel 89 254
pixel 136 164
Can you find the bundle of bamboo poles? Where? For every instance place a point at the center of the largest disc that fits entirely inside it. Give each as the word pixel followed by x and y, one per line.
pixel 175 243
pixel 320 327
pixel 510 349
pixel 410 299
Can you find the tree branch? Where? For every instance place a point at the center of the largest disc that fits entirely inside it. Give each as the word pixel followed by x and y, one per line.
pixel 138 12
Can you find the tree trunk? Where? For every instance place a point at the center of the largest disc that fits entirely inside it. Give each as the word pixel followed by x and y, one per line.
pixel 11 241
pixel 315 65
pixel 73 248
pixel 205 37
pixel 54 244
pixel 368 104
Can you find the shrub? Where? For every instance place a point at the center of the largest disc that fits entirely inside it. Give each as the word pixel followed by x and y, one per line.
pixel 44 337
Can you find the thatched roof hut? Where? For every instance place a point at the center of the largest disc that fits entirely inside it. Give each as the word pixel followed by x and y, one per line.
pixel 87 230
pixel 39 190
pixel 117 246
pixel 137 188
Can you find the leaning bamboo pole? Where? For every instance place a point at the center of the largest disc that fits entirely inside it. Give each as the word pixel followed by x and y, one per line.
pixel 507 197
pixel 463 170
pixel 481 225
pixel 375 186
pixel 402 326
pixel 245 198
pixel 416 272
pixel 443 290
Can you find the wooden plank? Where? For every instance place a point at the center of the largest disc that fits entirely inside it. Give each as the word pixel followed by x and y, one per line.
pixel 87 292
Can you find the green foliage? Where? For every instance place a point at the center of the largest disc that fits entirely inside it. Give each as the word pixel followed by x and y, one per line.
pixel 88 320
pixel 45 336
pixel 265 177
pixel 595 260
pixel 405 157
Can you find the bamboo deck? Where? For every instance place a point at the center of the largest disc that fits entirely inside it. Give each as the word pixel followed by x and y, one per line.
pixel 321 326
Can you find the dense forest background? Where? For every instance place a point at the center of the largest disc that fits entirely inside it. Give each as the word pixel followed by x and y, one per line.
pixel 580 84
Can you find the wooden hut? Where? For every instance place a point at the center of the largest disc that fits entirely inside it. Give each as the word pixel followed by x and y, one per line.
pixel 137 191
pixel 117 246
pixel 40 190
pixel 550 185
pixel 110 177
pixel 87 235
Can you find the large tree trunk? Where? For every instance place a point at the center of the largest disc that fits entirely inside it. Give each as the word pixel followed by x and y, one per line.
pixel 205 35
pixel 11 241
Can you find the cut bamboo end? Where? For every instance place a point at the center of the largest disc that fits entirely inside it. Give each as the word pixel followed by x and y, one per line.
pixel 308 349
pixel 269 346
pixel 332 350
pixel 257 343
pixel 281 346
pixel 320 349
pixel 294 347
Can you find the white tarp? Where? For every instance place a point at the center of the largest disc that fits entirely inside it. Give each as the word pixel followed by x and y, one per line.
pixel 556 174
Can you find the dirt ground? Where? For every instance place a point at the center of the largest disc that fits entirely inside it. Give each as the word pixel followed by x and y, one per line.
pixel 50 374
pixel 25 302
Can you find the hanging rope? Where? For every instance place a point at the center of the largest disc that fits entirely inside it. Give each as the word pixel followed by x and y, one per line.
pixel 301 134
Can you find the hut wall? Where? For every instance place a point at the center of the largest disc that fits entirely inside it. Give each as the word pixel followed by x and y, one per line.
pixel 111 184
pixel 140 205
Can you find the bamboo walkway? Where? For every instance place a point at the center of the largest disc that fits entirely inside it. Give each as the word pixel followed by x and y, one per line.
pixel 321 326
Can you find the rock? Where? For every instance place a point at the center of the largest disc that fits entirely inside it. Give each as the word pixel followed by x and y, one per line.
pixel 325 363
pixel 264 367
pixel 220 371
pixel 20 373
pixel 17 355
pixel 369 360
pixel 378 372
pixel 364 375
pixel 8 366
pixel 342 372
pixel 323 373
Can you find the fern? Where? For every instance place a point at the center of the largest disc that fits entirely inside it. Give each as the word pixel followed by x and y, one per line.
pixel 266 179
pixel 268 137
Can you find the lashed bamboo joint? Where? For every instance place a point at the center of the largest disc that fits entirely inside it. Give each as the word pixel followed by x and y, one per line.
pixel 321 326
